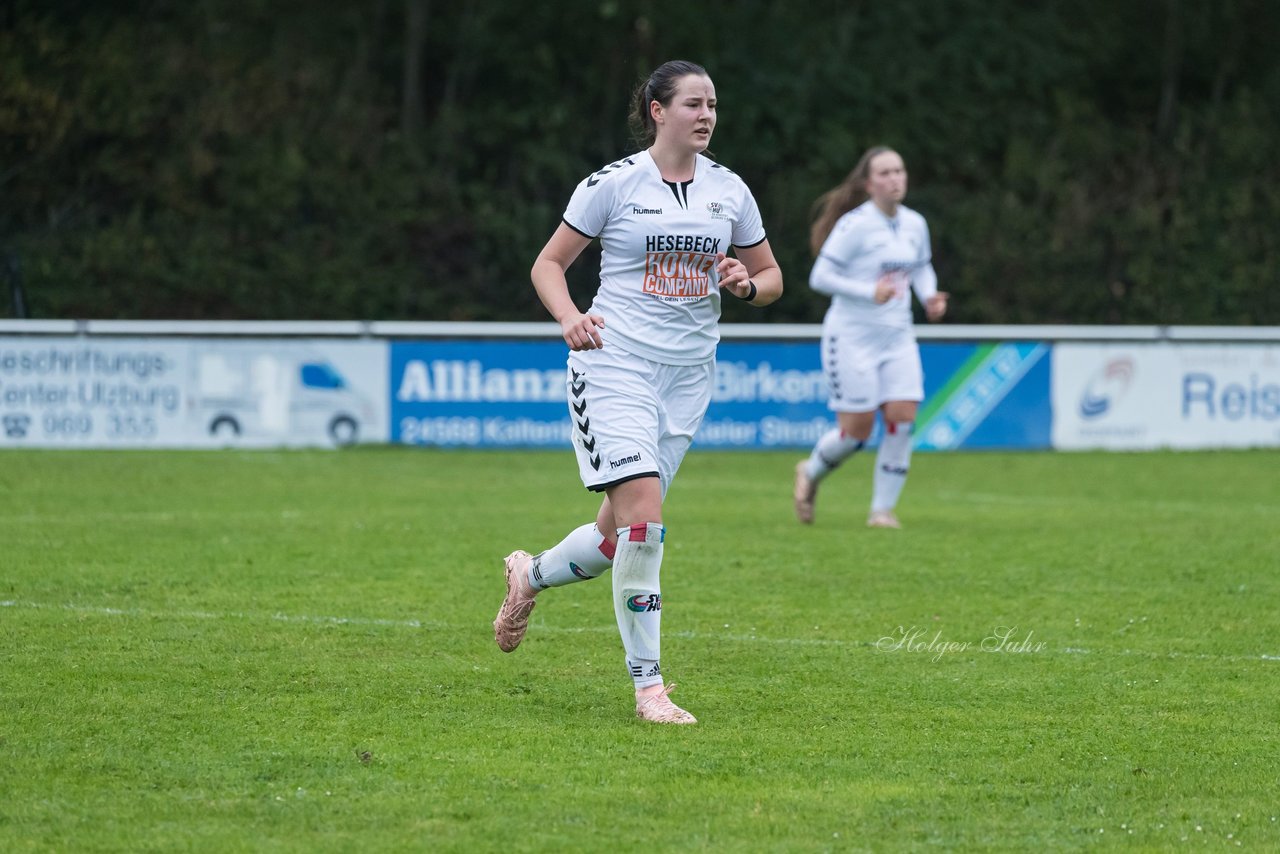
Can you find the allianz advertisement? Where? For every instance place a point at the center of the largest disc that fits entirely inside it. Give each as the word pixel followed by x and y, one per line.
pixel 1163 395
pixel 767 395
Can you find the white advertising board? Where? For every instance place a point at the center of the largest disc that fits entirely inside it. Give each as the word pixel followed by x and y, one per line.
pixel 1165 395
pixel 64 392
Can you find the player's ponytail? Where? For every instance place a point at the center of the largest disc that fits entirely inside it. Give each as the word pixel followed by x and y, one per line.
pixel 841 199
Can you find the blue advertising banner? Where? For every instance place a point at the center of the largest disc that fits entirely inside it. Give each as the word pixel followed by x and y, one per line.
pixel 767 395
pixel 479 393
pixel 991 395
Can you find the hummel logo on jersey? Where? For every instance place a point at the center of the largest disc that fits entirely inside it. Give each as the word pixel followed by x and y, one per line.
pixel 637 210
pixel 634 458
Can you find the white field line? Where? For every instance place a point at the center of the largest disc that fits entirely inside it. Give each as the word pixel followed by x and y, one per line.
pixel 162 516
pixel 288 514
pixel 435 625
pixel 1085 501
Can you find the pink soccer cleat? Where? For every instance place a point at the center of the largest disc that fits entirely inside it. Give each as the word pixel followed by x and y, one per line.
pixel 806 491
pixel 513 617
pixel 883 519
pixel 659 709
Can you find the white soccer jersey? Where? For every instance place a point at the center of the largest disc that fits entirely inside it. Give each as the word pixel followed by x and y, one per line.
pixel 864 246
pixel 659 291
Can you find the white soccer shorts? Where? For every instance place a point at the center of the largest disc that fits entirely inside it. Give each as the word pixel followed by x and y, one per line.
pixel 866 366
pixel 632 417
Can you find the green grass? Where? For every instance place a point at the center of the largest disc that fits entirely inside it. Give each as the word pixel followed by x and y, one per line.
pixel 291 651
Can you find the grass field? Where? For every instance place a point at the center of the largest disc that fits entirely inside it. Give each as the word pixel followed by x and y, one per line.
pixel 292 651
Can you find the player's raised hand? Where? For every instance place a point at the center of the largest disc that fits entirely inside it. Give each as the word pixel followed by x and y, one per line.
pixel 890 286
pixel 733 275
pixel 936 306
pixel 581 331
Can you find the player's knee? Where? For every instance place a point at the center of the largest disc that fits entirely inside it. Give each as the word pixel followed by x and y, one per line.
pixel 857 425
pixel 901 413
pixel 637 499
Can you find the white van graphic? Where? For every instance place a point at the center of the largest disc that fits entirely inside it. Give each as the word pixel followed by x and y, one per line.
pixel 256 397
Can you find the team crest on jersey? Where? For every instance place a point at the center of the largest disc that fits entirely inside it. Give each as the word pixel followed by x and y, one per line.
pixel 716 210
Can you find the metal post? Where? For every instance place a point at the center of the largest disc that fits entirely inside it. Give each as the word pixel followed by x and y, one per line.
pixel 13 272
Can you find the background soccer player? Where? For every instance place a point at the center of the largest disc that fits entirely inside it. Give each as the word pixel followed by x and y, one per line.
pixel 643 356
pixel 871 251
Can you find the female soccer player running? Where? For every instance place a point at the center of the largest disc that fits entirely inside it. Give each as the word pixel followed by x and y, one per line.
pixel 869 248
pixel 643 355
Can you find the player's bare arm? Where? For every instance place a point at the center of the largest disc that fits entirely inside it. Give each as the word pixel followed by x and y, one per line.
pixel 580 331
pixel 753 265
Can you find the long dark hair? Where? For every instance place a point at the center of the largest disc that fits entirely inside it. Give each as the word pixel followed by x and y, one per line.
pixel 659 86
pixel 841 199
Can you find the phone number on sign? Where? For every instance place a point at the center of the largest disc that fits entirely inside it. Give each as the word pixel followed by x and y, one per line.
pixel 79 425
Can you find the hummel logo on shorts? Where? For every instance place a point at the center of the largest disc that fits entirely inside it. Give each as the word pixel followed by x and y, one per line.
pixel 634 458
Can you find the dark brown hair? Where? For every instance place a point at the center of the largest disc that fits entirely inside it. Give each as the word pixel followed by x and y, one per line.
pixel 841 199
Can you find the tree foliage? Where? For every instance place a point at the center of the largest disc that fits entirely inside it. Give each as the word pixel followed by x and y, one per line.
pixel 1084 162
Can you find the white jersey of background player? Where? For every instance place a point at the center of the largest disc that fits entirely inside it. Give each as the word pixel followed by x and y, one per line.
pixel 642 360
pixel 870 255
pixel 865 247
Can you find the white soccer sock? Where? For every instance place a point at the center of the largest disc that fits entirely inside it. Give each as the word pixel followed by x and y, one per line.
pixel 581 556
pixel 892 462
pixel 637 599
pixel 831 450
